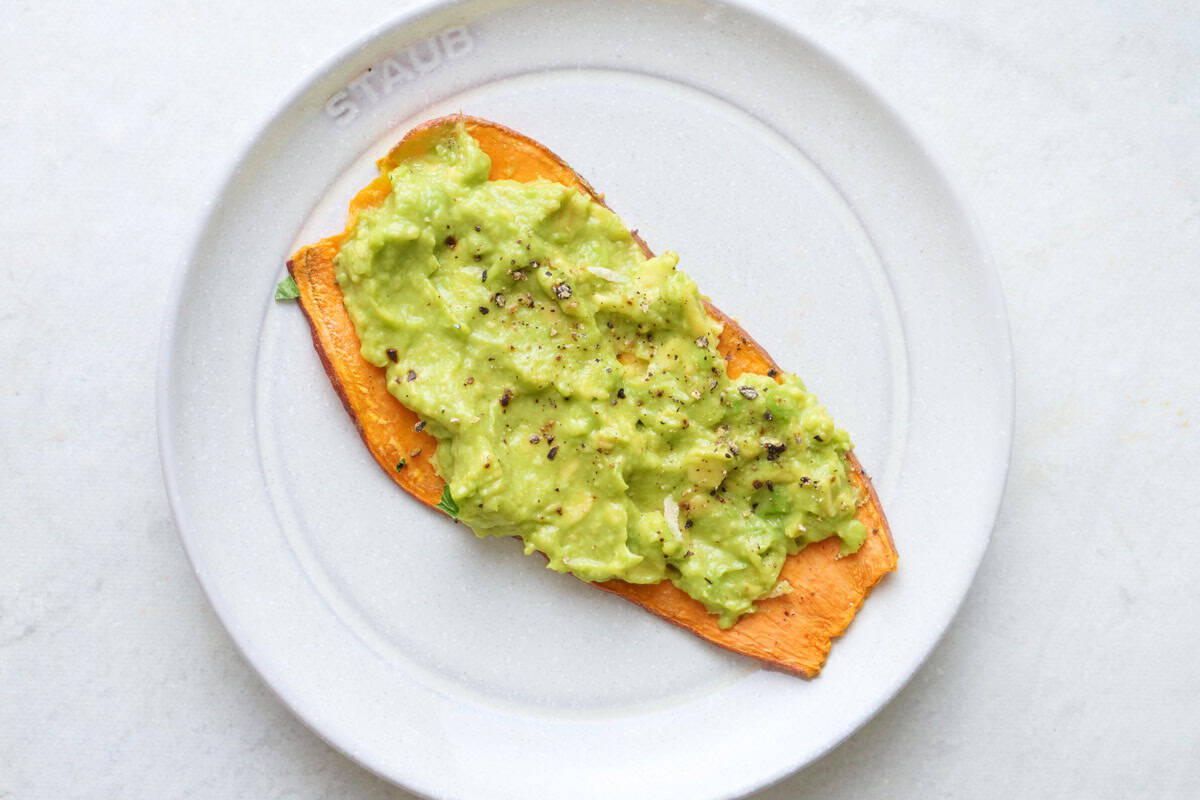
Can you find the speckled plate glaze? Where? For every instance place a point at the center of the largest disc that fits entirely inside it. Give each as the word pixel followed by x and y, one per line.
pixel 458 667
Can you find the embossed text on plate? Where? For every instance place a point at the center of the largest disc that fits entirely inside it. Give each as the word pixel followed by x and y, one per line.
pixel 382 78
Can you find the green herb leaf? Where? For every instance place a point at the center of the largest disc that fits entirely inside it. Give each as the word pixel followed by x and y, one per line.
pixel 447 503
pixel 400 464
pixel 287 289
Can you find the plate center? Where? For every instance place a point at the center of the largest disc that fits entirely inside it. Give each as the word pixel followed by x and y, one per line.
pixel 764 234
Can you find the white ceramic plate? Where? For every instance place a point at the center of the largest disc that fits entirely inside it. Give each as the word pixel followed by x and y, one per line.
pixel 459 667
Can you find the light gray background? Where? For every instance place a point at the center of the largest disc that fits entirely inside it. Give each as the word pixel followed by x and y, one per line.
pixel 1072 129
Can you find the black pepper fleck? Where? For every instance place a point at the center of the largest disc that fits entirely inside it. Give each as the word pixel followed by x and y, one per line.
pixel 553 452
pixel 391 354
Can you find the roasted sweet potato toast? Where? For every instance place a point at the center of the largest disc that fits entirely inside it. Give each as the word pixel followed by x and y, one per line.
pixel 792 631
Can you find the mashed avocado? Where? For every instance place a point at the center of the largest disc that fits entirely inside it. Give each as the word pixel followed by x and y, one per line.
pixel 576 392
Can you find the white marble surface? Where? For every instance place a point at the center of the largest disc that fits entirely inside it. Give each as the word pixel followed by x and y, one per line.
pixel 1072 129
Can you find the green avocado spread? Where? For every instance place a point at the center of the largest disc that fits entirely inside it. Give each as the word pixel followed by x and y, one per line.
pixel 576 392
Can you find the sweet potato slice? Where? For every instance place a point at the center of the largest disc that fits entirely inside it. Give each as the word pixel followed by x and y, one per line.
pixel 793 632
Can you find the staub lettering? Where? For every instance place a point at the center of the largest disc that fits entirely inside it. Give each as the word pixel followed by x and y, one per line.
pixel 385 77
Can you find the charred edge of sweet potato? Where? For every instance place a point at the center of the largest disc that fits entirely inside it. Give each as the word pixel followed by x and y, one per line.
pixel 386 426
pixel 793 632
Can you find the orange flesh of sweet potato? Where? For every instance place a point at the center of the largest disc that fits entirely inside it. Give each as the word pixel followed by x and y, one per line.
pixel 793 632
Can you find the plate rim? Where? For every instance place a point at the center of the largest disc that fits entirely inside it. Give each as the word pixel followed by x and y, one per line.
pixel 418 11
